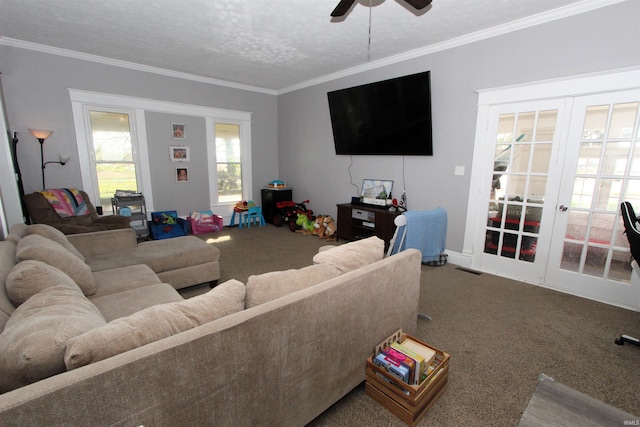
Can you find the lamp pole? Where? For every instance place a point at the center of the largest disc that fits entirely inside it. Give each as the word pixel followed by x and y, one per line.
pixel 41 141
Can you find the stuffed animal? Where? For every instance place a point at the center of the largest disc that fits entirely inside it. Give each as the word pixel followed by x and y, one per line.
pixel 330 228
pixel 306 226
pixel 318 227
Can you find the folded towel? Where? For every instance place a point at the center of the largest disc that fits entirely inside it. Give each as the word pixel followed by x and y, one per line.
pixel 66 201
pixel 427 232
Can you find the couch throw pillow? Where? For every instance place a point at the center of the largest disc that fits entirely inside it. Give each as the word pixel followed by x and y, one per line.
pixel 29 277
pixel 34 339
pixel 54 234
pixel 352 255
pixel 265 287
pixel 36 247
pixel 153 324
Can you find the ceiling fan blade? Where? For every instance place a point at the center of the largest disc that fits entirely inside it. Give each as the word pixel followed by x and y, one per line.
pixel 419 4
pixel 342 7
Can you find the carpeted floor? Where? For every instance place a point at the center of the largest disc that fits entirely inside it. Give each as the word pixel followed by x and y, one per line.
pixel 501 335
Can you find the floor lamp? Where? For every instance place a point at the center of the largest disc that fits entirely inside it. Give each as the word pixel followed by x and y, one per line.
pixel 41 135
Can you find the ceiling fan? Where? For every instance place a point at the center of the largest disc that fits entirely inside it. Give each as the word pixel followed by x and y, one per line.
pixel 345 5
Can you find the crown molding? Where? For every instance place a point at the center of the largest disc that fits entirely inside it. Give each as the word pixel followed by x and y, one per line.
pixel 530 21
pixel 128 65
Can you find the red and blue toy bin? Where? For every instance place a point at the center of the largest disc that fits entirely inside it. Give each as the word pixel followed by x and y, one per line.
pixel 201 222
pixel 166 224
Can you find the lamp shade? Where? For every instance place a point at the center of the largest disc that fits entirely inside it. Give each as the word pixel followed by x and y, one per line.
pixel 40 134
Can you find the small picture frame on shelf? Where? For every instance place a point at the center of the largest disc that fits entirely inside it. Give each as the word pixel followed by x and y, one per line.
pixel 182 175
pixel 177 131
pixel 179 153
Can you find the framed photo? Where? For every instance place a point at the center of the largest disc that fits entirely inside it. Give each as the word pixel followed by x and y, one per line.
pixel 179 153
pixel 182 175
pixel 177 131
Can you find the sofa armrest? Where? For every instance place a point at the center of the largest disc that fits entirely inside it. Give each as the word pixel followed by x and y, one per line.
pixel 102 242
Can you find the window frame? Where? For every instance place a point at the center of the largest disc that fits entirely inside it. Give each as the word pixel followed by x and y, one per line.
pixel 81 99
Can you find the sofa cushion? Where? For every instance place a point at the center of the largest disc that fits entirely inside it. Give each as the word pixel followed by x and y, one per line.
pixel 160 255
pixel 352 255
pixel 33 342
pixel 275 284
pixel 131 301
pixel 36 247
pixel 29 277
pixel 7 262
pixel 154 323
pixel 54 234
pixel 122 279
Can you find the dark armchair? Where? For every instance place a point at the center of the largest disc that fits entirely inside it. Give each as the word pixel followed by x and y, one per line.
pixel 41 212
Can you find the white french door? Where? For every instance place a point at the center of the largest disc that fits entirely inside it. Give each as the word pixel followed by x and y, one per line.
pixel 519 199
pixel 589 255
pixel 550 205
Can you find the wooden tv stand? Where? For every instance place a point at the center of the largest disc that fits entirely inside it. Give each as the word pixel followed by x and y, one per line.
pixel 357 221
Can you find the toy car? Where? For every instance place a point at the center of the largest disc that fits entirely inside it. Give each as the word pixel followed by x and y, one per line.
pixel 287 213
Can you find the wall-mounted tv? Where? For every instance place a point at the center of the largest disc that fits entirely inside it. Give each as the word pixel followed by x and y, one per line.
pixel 390 117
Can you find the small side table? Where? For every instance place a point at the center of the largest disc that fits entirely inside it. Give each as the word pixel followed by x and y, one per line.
pixel 240 212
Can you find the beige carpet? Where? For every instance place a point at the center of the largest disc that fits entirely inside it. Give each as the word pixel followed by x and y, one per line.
pixel 501 335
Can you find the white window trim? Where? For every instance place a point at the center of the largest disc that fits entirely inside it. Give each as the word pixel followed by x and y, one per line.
pixel 81 98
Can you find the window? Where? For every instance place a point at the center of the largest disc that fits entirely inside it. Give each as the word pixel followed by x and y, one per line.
pixel 228 163
pixel 113 154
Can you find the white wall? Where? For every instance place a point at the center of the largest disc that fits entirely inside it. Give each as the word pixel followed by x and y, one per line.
pixel 599 40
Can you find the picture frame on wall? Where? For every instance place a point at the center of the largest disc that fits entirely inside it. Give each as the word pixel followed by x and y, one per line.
pixel 182 174
pixel 177 131
pixel 179 153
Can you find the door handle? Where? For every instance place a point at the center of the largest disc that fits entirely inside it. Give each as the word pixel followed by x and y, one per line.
pixel 563 208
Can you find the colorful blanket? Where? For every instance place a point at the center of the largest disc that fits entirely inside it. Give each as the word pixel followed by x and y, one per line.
pixel 66 201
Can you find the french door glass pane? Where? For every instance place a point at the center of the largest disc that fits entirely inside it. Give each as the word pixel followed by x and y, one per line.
pixel 609 159
pixel 518 185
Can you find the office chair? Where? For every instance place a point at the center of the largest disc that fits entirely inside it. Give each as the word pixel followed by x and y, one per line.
pixel 633 235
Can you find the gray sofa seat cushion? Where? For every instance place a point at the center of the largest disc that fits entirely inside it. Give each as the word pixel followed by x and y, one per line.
pixel 126 303
pixel 124 278
pixel 160 255
pixel 30 277
pixel 33 342
pixel 154 323
pixel 36 247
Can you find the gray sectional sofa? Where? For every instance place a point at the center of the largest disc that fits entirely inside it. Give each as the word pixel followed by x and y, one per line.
pixel 278 350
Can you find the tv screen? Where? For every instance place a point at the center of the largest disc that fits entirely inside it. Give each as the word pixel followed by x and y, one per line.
pixel 390 117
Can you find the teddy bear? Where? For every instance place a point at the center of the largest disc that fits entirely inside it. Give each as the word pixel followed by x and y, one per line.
pixel 330 228
pixel 318 227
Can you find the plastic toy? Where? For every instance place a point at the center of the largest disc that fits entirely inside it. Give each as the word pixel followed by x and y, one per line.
pixel 306 226
pixel 287 213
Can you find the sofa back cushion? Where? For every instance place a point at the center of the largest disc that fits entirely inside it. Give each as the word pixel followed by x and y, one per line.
pixel 54 234
pixel 29 277
pixel 7 262
pixel 153 324
pixel 33 342
pixel 265 287
pixel 36 247
pixel 352 255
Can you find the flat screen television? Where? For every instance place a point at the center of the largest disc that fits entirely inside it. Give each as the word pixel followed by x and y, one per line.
pixel 390 117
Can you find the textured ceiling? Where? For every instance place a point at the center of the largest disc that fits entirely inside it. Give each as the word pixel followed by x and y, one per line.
pixel 270 44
